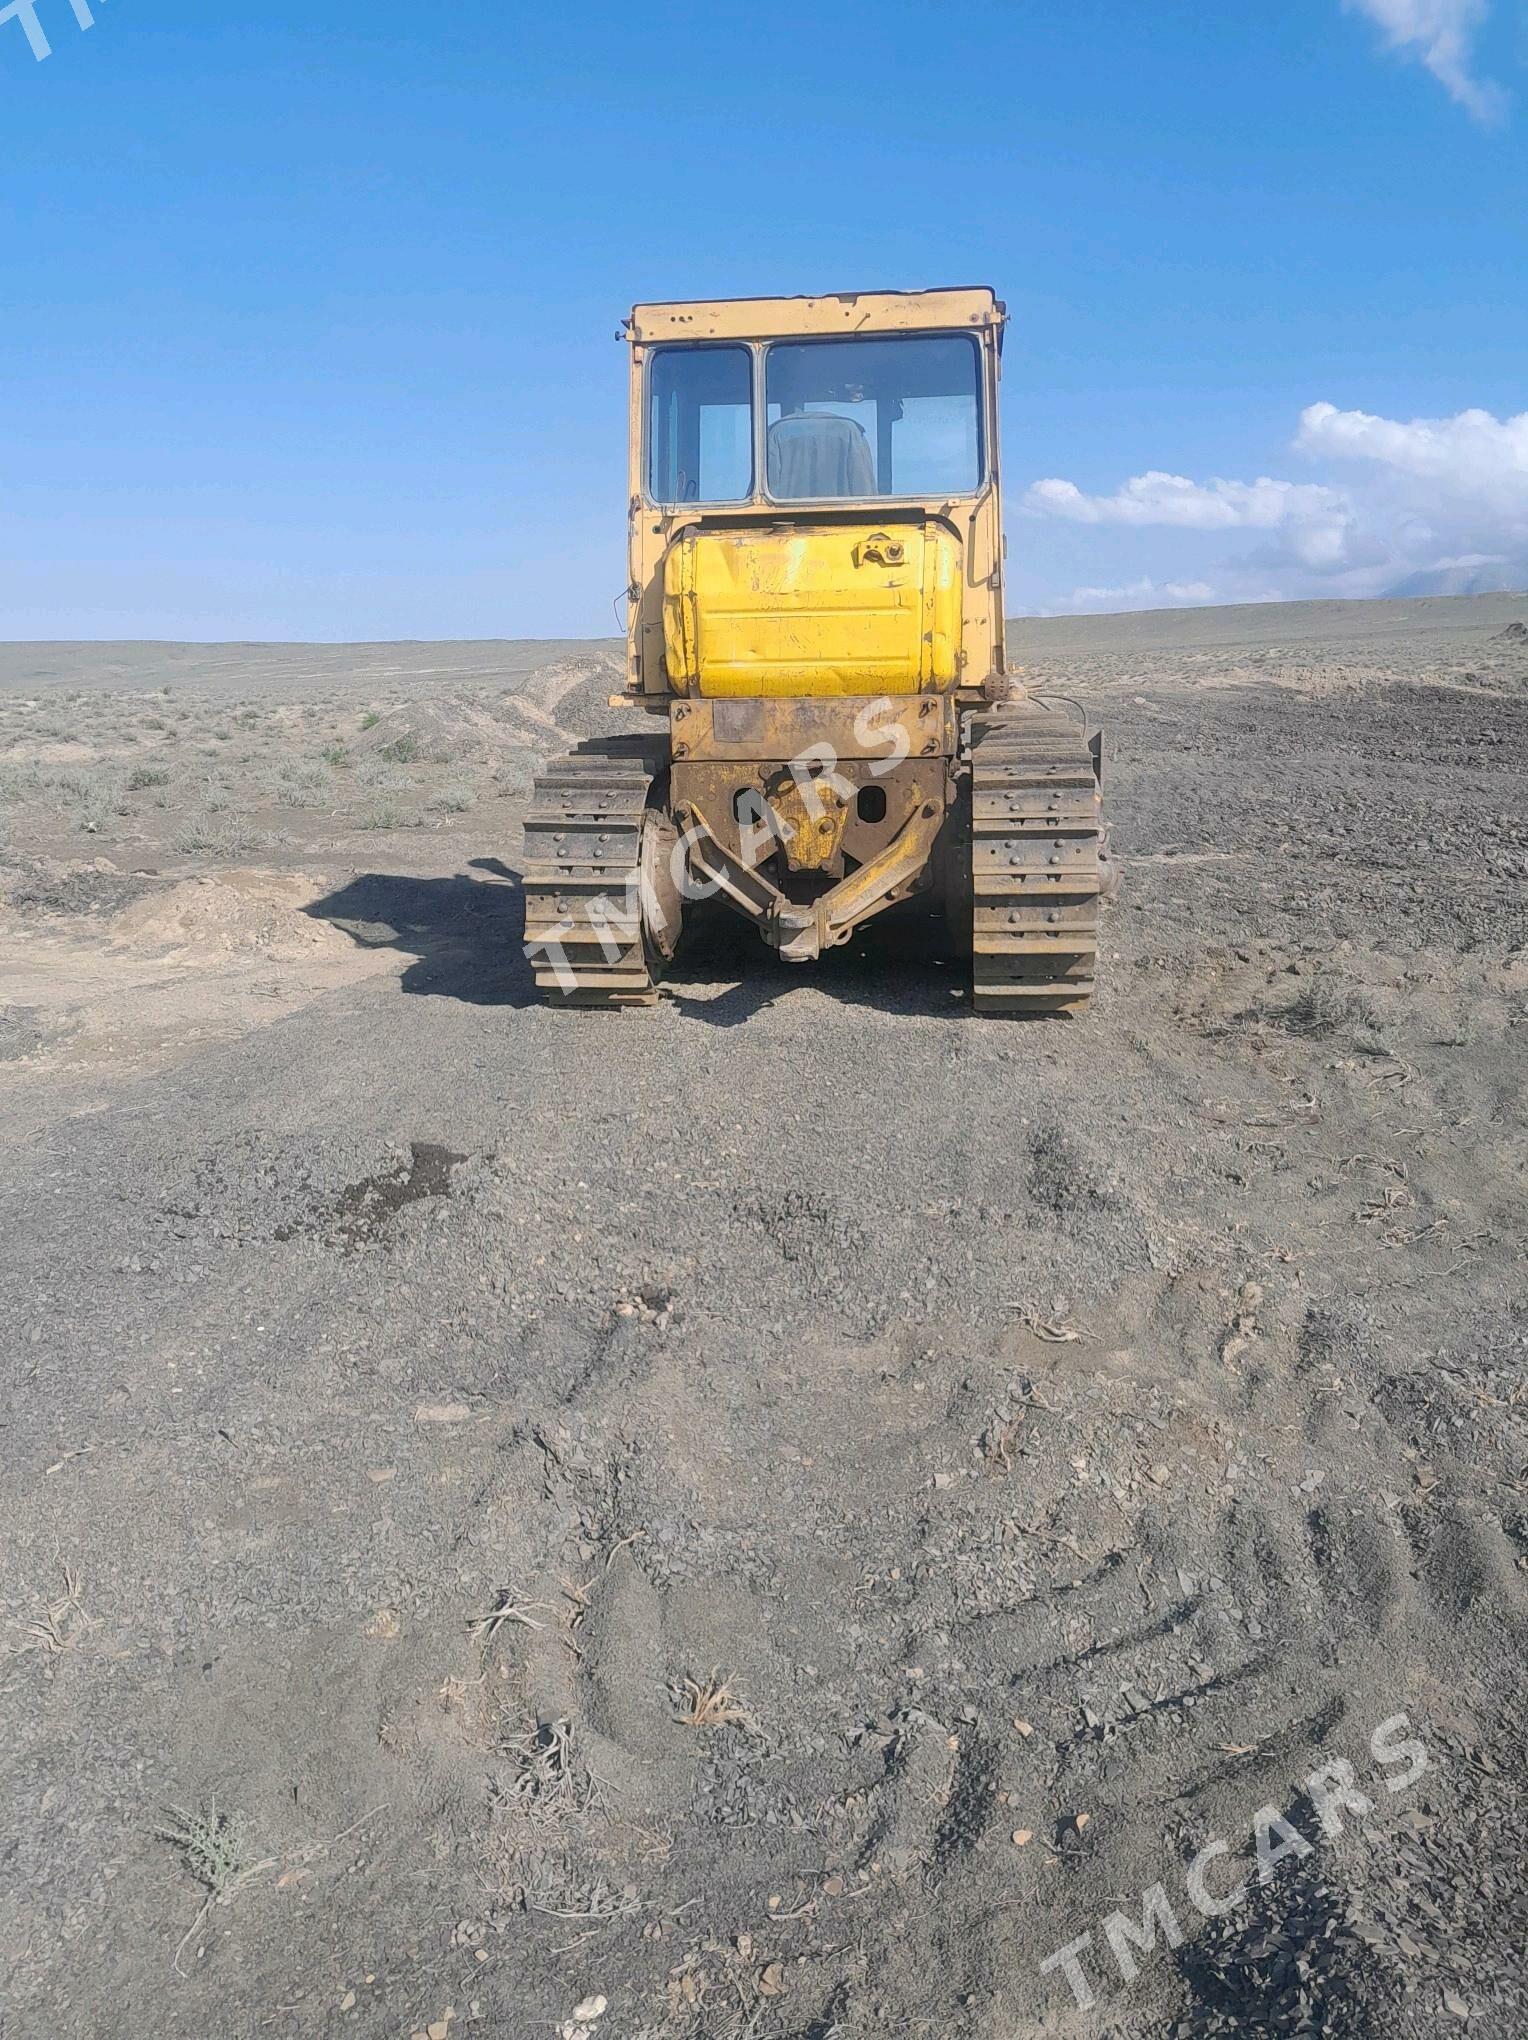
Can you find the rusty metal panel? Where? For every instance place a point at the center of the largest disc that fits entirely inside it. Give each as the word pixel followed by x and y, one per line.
pixel 781 727
pixel 868 311
pixel 890 858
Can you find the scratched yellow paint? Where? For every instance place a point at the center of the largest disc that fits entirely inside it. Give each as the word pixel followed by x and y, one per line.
pixel 840 609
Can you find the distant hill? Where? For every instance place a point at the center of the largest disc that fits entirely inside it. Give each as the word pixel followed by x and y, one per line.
pixel 1264 623
pixel 1467 577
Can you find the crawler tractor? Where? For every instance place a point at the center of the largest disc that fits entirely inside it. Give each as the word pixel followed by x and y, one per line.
pixel 816 629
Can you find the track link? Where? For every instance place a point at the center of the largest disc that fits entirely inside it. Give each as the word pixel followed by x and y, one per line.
pixel 1036 838
pixel 583 845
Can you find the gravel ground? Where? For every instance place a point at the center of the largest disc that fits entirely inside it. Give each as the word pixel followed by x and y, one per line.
pixel 774 1515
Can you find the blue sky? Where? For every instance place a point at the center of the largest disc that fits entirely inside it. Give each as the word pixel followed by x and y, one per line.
pixel 310 308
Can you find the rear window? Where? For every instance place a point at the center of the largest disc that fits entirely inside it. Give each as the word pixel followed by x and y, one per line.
pixel 893 416
pixel 700 425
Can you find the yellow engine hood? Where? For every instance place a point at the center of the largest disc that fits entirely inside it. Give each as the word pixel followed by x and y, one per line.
pixel 832 609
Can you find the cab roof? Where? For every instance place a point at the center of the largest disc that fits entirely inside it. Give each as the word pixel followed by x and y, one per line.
pixel 841 312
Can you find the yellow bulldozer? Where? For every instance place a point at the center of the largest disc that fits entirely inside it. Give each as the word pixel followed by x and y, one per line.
pixel 815 610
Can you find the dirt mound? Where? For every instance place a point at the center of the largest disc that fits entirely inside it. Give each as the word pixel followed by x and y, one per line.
pixel 231 914
pixel 1514 634
pixel 551 685
pixel 451 729
pixel 572 695
pixel 180 966
pixel 535 717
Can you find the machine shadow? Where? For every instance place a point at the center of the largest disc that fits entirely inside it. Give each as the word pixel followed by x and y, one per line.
pixel 895 965
pixel 465 934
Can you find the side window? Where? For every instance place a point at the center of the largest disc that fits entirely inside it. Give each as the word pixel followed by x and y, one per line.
pixel 700 425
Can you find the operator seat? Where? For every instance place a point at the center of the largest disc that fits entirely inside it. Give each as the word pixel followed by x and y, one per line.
pixel 816 453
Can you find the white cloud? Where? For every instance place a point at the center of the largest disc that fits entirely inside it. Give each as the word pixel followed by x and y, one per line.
pixel 1441 34
pixel 1412 502
pixel 1157 498
pixel 1314 524
pixel 1142 594
pixel 1473 458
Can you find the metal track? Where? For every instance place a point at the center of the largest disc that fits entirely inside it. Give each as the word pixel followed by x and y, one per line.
pixel 583 847
pixel 1035 861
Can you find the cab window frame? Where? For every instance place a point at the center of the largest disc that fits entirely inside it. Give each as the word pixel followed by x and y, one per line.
pixel 758 352
pixel 652 356
pixel 984 462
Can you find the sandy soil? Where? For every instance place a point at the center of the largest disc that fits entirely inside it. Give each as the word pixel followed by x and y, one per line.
pixel 773 1516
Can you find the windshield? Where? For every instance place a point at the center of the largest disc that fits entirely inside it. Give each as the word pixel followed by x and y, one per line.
pixel 894 416
pixel 899 415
